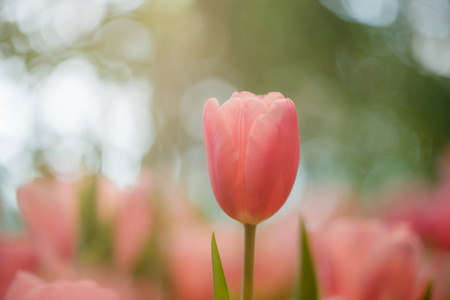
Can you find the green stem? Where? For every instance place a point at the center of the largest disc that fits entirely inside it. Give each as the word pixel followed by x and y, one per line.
pixel 249 258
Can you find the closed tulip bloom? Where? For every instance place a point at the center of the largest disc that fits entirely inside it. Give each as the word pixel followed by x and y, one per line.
pixel 253 150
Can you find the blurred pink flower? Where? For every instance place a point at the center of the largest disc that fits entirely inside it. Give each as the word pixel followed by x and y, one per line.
pixel 49 210
pixel 126 286
pixel 15 254
pixel 436 218
pixel 109 200
pixel 253 150
pixel 29 287
pixel 189 262
pixel 427 211
pixel 363 260
pixel 437 214
pixel 134 223
pixel 322 203
pixel 440 275
pixel 129 213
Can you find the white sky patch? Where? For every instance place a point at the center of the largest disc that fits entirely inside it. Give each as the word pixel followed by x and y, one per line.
pixel 15 110
pixel 126 39
pixel 70 96
pixel 55 24
pixel 126 5
pixel 433 54
pixel 72 19
pixel 430 18
pixel 376 13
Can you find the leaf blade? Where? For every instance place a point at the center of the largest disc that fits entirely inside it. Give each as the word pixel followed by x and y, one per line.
pixel 427 294
pixel 219 281
pixel 307 285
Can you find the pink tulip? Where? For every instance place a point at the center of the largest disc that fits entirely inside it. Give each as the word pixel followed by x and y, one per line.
pixel 126 286
pixel 364 260
pixel 29 287
pixel 109 199
pixel 426 210
pixel 49 210
pixel 438 211
pixel 134 224
pixel 189 262
pixel 253 150
pixel 436 216
pixel 15 254
pixel 440 275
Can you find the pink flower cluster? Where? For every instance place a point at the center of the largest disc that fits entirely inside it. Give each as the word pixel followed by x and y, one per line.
pixel 355 258
pixel 52 248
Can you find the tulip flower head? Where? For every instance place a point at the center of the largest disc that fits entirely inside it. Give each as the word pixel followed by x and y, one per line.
pixel 253 150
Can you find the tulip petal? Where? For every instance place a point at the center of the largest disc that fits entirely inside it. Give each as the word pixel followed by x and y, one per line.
pixel 239 115
pixel 243 95
pixel 271 97
pixel 222 160
pixel 271 160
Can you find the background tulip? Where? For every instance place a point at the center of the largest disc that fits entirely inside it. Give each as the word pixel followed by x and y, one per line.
pixel 439 270
pixel 133 226
pixel 359 259
pixel 16 253
pixel 29 287
pixel 425 208
pixel 49 210
pixel 252 148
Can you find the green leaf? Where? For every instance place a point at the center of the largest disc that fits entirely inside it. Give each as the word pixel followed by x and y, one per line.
pixel 149 261
pixel 220 284
pixel 88 212
pixel 427 294
pixel 307 289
